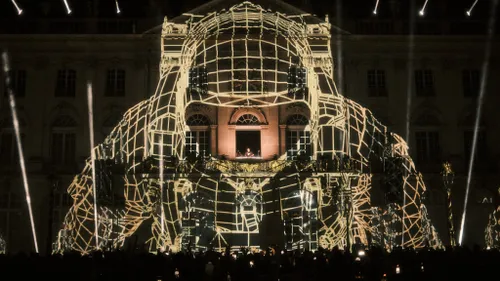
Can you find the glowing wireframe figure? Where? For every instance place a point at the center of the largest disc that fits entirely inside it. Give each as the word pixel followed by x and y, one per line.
pixel 492 231
pixel 244 40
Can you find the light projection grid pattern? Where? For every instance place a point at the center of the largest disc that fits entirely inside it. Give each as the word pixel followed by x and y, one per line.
pixel 247 54
pixel 492 231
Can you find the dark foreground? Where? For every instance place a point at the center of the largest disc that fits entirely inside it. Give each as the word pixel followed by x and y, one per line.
pixel 450 264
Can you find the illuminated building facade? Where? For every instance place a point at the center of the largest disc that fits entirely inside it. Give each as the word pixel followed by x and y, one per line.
pixel 255 88
pixel 269 87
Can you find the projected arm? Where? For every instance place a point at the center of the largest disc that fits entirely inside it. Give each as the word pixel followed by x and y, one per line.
pixel 78 229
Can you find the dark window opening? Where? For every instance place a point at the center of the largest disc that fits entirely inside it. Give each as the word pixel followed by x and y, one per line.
pixel 248 144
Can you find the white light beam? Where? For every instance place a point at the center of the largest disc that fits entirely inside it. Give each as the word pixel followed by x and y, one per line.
pixel 19 10
pixel 117 7
pixel 15 121
pixel 162 164
pixel 422 11
pixel 469 11
pixel 92 158
pixel 68 9
pixel 482 89
pixel 376 8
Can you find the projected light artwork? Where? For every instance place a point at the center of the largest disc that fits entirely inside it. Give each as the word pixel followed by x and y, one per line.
pixel 247 142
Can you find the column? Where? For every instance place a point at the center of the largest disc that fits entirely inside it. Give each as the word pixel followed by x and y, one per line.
pixel 213 139
pixel 282 139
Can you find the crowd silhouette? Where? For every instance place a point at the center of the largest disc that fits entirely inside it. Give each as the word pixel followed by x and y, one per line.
pixel 458 263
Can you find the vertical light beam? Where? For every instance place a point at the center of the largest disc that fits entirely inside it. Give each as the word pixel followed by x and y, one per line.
pixel 469 11
pixel 92 158
pixel 422 11
pixel 376 8
pixel 68 9
pixel 162 164
pixel 410 71
pixel 15 121
pixel 19 10
pixel 340 56
pixel 482 89
pixel 409 95
pixel 117 7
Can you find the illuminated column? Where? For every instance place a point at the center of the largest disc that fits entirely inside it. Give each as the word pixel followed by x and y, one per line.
pixel 282 139
pixel 448 176
pixel 213 139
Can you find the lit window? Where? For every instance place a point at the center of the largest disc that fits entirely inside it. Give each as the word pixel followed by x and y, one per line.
pixel 248 119
pixel 197 142
pixel 298 143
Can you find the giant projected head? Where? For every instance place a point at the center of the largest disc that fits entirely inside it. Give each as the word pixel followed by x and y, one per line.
pixel 259 68
pixel 248 56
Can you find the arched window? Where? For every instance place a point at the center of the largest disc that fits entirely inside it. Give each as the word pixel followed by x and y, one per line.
pixel 298 139
pixel 297 119
pixel 63 140
pixel 198 135
pixel 248 119
pixel 198 120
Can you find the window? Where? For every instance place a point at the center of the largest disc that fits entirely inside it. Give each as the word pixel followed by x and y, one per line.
pixel 470 83
pixel 65 85
pixel 298 143
pixel 427 145
pixel 18 83
pixel 481 147
pixel 424 82
pixel 63 147
pixel 115 83
pixel 198 120
pixel 298 120
pixel 248 119
pixel 376 83
pixel 8 147
pixel 63 142
pixel 197 142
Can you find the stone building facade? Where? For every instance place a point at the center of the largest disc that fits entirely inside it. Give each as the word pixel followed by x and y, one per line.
pixel 50 74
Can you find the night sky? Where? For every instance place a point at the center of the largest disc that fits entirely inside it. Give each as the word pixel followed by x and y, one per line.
pixel 436 9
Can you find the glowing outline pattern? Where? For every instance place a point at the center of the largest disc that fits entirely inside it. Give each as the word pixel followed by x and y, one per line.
pixel 158 125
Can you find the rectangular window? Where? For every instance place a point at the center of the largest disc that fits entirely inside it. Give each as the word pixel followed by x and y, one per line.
pixel 197 142
pixel 18 83
pixel 470 82
pixel 424 83
pixel 481 152
pixel 115 83
pixel 8 148
pixel 63 148
pixel 428 148
pixel 65 84
pixel 298 143
pixel 376 83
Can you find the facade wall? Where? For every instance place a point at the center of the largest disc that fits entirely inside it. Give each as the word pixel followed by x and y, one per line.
pixel 92 55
